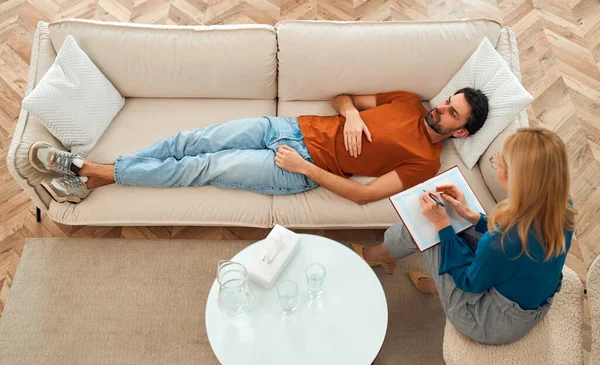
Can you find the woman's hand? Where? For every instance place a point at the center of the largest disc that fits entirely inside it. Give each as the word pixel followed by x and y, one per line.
pixel 433 211
pixel 288 159
pixel 353 130
pixel 457 200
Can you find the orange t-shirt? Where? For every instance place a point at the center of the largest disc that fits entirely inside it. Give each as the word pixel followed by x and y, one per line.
pixel 400 141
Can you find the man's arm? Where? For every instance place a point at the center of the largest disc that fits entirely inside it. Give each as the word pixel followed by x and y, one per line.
pixel 380 188
pixel 354 127
pixel 353 103
pixel 384 186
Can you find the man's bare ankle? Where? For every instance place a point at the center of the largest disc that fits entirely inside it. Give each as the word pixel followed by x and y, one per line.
pixel 84 170
pixel 91 182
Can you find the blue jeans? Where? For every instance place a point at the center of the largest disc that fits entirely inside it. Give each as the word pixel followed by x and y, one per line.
pixel 238 154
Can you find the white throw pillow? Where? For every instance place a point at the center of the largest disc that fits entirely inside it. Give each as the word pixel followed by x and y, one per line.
pixel 487 71
pixel 74 100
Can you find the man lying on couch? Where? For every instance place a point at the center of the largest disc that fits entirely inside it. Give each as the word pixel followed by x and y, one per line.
pixel 276 155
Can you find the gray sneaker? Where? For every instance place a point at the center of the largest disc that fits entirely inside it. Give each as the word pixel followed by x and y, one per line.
pixel 46 158
pixel 67 188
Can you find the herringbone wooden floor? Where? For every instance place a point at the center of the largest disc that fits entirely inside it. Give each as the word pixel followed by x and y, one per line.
pixel 559 43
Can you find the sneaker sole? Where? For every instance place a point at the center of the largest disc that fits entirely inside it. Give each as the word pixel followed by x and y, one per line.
pixel 55 197
pixel 60 199
pixel 30 154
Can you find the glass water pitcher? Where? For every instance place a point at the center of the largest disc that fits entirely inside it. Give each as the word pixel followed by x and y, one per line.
pixel 235 296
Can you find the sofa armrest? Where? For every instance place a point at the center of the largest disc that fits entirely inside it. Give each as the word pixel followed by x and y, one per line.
pixel 29 129
pixel 507 48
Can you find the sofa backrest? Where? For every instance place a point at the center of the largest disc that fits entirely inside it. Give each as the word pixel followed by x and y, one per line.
pixel 231 61
pixel 321 59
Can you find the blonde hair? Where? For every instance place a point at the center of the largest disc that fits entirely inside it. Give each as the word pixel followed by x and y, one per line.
pixel 538 191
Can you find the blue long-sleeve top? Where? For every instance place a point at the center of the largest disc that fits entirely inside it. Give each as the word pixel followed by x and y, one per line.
pixel 524 280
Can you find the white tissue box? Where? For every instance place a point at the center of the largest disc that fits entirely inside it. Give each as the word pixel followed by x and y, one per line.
pixel 266 274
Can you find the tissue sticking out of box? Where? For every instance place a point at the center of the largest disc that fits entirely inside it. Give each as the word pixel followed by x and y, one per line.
pixel 271 246
pixel 274 253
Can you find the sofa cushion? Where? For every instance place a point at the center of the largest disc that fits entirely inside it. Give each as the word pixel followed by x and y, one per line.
pixel 178 61
pixel 319 60
pixel 487 71
pixel 143 121
pixel 326 209
pixel 115 205
pixel 74 100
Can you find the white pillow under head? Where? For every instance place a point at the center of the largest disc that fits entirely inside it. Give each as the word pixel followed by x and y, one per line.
pixel 487 71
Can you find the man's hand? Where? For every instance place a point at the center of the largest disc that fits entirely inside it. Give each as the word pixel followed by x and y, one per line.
pixel 432 211
pixel 457 200
pixel 353 130
pixel 288 159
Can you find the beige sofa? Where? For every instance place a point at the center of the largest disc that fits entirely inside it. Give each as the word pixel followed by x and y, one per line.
pixel 176 78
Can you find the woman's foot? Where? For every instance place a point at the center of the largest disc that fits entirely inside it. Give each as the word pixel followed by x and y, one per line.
pixel 377 256
pixel 423 283
pixel 378 253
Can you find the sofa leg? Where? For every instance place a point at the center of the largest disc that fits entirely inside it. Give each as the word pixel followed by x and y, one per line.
pixel 38 215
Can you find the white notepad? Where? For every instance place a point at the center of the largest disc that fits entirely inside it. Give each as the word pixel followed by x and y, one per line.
pixel 420 228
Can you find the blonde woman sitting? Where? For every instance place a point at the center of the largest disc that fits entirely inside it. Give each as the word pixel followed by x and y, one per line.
pixel 498 279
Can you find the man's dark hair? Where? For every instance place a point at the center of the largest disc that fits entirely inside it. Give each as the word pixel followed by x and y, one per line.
pixel 479 108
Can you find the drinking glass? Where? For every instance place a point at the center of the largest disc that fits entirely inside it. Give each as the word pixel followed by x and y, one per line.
pixel 315 277
pixel 288 296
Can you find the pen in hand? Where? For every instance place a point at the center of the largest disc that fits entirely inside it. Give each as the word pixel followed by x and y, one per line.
pixel 435 199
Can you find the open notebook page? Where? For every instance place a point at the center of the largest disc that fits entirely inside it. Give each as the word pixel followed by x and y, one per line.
pixel 408 207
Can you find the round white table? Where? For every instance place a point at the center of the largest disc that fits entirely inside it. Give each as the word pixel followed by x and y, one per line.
pixel 346 326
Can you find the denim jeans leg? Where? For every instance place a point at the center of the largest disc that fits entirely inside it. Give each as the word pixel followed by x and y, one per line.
pixel 253 170
pixel 249 133
pixel 237 154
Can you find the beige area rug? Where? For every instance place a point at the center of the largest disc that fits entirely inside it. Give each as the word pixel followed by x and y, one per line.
pixel 117 301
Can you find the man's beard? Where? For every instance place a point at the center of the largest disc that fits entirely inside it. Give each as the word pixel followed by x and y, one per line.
pixel 433 120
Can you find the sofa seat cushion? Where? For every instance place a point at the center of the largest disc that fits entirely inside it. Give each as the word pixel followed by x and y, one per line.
pixel 143 121
pixel 115 205
pixel 319 208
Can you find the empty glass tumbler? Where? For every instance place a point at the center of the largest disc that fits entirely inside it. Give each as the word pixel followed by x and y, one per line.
pixel 315 277
pixel 288 296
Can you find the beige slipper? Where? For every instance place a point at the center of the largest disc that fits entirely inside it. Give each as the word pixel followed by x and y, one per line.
pixel 415 277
